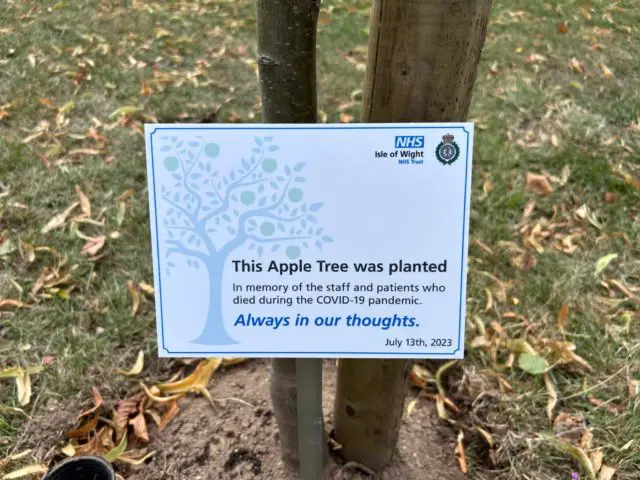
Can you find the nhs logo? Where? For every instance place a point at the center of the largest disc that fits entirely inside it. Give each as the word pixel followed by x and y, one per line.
pixel 409 141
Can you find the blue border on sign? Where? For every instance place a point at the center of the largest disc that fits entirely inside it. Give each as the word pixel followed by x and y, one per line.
pixel 290 353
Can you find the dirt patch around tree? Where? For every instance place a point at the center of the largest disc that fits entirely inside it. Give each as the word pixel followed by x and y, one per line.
pixel 238 439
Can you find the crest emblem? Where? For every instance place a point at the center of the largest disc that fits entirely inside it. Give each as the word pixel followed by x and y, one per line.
pixel 447 151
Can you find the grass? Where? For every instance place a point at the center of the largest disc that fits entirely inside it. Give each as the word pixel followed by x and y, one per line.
pixel 545 101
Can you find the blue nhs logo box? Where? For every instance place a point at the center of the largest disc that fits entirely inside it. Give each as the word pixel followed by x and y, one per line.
pixel 409 141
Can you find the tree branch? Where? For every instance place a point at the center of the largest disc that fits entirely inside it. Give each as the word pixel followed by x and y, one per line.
pixel 272 240
pixel 178 247
pixel 182 209
pixel 185 174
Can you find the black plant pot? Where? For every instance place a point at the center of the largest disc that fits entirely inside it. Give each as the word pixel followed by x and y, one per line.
pixel 82 468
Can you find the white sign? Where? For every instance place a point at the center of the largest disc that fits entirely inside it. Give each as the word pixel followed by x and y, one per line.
pixel 310 240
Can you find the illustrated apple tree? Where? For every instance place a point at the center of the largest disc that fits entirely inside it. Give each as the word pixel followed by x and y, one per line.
pixel 258 203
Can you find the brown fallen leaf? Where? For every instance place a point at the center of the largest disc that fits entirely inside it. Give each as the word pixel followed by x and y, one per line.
pixel 563 27
pixel 135 297
pixel 125 409
pixel 460 455
pixel 167 416
pixel 139 425
pixel 613 408
pixel 59 220
pixel 538 184
pixel 85 429
pixel 85 206
pixel 11 302
pixel 94 245
pixel 563 316
pixel 97 403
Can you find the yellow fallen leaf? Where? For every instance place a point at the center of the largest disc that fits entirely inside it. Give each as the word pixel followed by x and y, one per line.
pixel 411 406
pixel 552 399
pixel 25 471
pixel 606 473
pixel 606 71
pixel 23 382
pixel 487 436
pixel 59 220
pixel 159 399
pixel 199 377
pixel 136 461
pixel 135 297
pixel 137 367
pixel 146 288
pixel 69 450
pixel 459 451
pixel 85 206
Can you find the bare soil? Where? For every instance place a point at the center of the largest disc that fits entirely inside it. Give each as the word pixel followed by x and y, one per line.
pixel 238 438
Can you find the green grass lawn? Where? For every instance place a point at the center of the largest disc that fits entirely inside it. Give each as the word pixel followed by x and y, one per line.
pixel 557 95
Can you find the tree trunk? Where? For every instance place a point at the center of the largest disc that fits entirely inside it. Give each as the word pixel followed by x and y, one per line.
pixel 422 64
pixel 287 67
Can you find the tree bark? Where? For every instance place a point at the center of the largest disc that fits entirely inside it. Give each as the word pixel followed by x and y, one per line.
pixel 287 67
pixel 422 64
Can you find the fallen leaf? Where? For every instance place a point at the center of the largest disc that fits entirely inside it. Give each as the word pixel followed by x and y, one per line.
pixel 459 451
pixel 94 245
pixel 538 184
pixel 28 252
pixel 97 403
pixel 199 377
pixel 563 316
pixel 85 206
pixel 552 398
pixel 606 71
pixel 167 416
pixel 610 407
pixel 533 364
pixel 156 398
pixel 6 247
pixel 69 450
pixel 136 461
pixel 139 425
pixel 85 429
pixel 576 66
pixel 346 118
pixel 59 220
pixel 115 452
pixel 24 471
pixel 23 383
pixel 137 367
pixel 125 409
pixel 11 302
pixel 577 454
pixel 411 406
pixel 606 473
pixel 420 376
pixel 146 288
pixel 603 262
pixel 563 27
pixel 596 460
pixel 135 297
